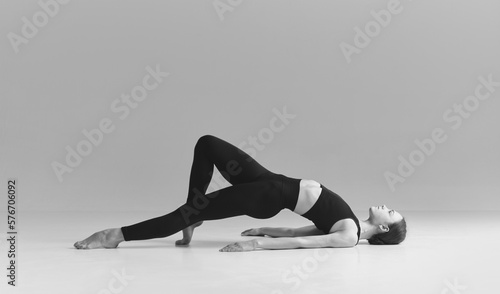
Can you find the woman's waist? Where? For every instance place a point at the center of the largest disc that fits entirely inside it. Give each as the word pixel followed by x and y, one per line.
pixel 309 193
pixel 291 189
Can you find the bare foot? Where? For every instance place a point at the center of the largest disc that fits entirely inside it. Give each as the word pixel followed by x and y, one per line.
pixel 109 238
pixel 187 234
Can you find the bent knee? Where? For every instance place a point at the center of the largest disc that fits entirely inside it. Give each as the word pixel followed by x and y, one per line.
pixel 204 141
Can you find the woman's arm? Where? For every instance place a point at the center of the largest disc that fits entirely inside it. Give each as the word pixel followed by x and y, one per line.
pixel 337 239
pixel 307 231
pixel 283 232
pixel 271 232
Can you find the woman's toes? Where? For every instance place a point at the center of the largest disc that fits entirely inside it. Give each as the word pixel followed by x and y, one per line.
pixel 79 245
pixel 181 243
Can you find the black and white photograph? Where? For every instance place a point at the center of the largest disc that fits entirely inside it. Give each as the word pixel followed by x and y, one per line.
pixel 249 146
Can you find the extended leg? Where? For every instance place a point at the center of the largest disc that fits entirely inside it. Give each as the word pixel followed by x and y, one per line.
pixel 235 165
pixel 260 199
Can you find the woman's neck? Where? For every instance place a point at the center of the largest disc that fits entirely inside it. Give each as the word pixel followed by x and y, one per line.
pixel 367 229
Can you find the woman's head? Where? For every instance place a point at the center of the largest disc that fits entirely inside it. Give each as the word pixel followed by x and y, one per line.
pixel 391 226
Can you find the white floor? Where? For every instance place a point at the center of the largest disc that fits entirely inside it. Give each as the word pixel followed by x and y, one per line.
pixel 444 252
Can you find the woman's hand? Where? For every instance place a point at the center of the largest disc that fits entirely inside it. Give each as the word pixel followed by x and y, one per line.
pixel 252 232
pixel 240 246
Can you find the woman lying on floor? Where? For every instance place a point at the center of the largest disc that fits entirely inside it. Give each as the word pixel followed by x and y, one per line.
pixel 259 193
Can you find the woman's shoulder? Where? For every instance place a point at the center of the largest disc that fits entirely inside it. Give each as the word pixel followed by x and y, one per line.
pixel 346 225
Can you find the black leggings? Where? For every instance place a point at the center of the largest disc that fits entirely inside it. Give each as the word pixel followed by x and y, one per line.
pixel 255 191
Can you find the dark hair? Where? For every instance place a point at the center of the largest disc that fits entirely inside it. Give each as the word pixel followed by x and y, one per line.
pixel 395 235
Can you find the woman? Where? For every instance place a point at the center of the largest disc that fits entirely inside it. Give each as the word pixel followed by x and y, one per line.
pixel 259 193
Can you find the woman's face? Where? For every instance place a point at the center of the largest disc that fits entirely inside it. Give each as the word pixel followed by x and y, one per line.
pixel 383 215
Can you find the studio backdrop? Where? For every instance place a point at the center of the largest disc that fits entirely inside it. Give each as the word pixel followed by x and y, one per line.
pixel 385 102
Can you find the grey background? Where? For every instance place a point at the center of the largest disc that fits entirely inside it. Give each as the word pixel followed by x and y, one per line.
pixel 352 120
